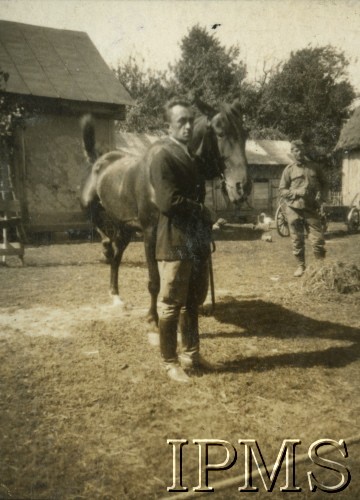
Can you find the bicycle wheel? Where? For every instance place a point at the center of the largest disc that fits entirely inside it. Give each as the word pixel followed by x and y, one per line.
pixel 282 225
pixel 353 220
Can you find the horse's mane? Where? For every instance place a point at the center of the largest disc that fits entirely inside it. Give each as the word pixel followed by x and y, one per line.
pixel 228 121
pixel 232 118
pixel 204 146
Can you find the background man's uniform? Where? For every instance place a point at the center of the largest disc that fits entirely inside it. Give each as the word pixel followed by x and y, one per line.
pixel 182 249
pixel 303 186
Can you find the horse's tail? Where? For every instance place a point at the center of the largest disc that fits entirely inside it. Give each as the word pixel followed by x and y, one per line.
pixel 88 133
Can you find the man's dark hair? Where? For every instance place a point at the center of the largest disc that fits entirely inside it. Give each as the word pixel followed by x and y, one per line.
pixel 175 101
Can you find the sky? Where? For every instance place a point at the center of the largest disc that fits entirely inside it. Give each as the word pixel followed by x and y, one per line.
pixel 151 30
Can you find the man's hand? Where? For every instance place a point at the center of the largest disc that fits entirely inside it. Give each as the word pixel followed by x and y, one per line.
pixel 321 198
pixel 207 215
pixel 299 193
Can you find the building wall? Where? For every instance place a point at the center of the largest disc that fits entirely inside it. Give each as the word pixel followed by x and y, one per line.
pixel 263 198
pixel 50 167
pixel 350 176
pixel 265 195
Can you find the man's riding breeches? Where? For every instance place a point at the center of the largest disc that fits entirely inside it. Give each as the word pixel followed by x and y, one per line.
pixel 183 287
pixel 300 222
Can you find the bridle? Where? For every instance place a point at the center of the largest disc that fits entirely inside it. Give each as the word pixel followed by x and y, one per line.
pixel 208 150
pixel 221 167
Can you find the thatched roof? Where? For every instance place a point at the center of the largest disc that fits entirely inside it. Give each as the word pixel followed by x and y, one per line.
pixel 54 63
pixel 350 133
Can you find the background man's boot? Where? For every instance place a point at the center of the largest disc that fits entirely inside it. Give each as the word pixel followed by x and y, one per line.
pixel 319 255
pixel 299 271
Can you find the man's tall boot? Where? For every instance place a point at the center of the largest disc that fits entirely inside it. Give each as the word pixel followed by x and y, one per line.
pixel 189 330
pixel 190 357
pixel 168 344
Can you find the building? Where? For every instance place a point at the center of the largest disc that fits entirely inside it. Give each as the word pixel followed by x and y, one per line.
pixel 349 146
pixel 58 76
pixel 267 160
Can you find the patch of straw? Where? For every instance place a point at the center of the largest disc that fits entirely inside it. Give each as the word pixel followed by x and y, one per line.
pixel 335 277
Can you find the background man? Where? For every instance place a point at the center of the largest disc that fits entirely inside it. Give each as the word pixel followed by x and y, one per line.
pixel 304 187
pixel 183 241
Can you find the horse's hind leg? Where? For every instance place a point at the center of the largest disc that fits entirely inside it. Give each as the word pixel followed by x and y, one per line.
pixel 120 243
pixel 107 250
pixel 96 214
pixel 107 246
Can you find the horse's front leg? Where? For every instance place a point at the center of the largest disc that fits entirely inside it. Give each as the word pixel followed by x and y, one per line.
pixel 154 278
pixel 120 243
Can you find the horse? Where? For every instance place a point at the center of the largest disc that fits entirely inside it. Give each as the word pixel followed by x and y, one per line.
pixel 119 197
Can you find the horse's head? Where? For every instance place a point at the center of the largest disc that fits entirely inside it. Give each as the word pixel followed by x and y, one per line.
pixel 219 141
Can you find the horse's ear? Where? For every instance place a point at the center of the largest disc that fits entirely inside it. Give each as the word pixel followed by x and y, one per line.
pixel 237 107
pixel 202 106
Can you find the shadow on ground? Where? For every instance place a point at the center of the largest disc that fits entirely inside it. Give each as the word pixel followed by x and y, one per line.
pixel 238 232
pixel 257 318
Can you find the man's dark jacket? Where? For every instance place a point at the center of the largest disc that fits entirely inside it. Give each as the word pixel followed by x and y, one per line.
pixel 179 194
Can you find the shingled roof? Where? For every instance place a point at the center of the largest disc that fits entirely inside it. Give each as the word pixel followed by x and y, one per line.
pixel 55 63
pixel 350 133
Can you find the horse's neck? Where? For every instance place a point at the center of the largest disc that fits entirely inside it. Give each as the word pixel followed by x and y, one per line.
pixel 198 133
pixel 204 146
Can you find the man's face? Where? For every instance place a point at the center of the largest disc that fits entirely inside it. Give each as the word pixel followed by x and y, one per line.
pixel 181 123
pixel 298 152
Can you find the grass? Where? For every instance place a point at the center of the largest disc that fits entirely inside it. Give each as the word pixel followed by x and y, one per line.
pixel 86 411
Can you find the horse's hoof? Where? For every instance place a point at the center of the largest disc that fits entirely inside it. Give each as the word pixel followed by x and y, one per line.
pixel 154 339
pixel 117 301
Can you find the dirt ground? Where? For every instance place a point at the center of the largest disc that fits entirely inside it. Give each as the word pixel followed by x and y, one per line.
pixel 86 410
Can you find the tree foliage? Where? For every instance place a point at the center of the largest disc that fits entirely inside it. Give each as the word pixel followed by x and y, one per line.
pixel 11 112
pixel 307 96
pixel 207 68
pixel 150 89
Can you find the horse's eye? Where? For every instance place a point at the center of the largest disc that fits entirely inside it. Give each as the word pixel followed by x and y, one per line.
pixel 220 134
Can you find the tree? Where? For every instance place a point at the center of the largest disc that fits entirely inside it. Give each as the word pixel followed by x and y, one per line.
pixel 205 69
pixel 307 96
pixel 11 116
pixel 150 89
pixel 208 69
pixel 11 112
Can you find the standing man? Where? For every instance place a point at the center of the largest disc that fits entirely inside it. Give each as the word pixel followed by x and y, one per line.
pixel 303 186
pixel 183 242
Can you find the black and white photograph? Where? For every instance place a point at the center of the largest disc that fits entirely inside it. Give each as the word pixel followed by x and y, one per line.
pixel 179 249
